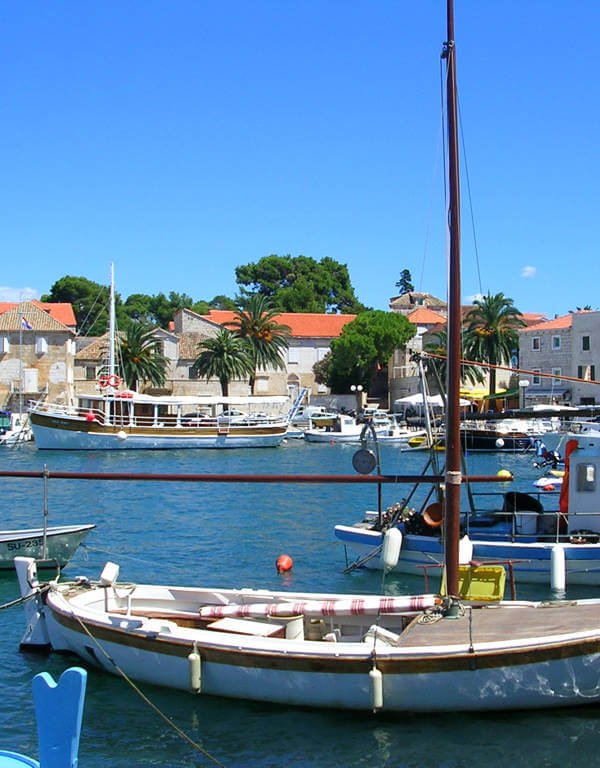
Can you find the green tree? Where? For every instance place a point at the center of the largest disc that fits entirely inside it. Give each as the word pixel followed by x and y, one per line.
pixel 266 339
pixel 365 346
pixel 224 357
pixel 90 302
pixel 300 284
pixel 404 285
pixel 222 302
pixel 141 358
pixel 492 332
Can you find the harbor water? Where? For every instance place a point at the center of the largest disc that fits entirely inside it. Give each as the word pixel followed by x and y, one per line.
pixel 224 535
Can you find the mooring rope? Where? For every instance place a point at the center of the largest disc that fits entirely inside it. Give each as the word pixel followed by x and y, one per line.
pixel 144 698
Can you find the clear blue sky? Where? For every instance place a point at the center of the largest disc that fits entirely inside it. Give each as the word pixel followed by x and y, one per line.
pixel 181 138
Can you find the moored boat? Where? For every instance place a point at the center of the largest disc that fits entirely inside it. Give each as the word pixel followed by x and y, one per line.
pixel 125 420
pixel 51 547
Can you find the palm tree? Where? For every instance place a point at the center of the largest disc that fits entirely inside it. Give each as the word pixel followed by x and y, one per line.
pixel 492 332
pixel 470 373
pixel 141 358
pixel 266 339
pixel 224 357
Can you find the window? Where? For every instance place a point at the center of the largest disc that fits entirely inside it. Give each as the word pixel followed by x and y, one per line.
pixel 90 372
pixel 4 345
pixel 193 373
pixel 585 343
pixel 293 355
pixel 321 353
pixel 41 345
pixel 586 372
pixel 535 343
pixel 556 342
pixel 556 372
pixel 536 377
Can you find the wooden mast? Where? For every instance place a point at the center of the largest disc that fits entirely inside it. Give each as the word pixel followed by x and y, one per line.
pixel 453 466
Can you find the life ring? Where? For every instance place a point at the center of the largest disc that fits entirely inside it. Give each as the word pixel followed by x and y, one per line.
pixel 111 380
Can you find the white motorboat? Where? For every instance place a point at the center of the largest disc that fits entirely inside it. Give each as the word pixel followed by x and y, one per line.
pixel 51 547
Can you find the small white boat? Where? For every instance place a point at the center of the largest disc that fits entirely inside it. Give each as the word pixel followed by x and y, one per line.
pixel 51 547
pixel 337 428
pixel 14 428
pixel 356 652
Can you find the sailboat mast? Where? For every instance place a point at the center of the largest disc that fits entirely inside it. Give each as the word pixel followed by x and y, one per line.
pixel 111 325
pixel 453 466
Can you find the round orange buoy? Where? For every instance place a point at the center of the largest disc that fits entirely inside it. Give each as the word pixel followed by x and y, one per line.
pixel 284 563
pixel 89 416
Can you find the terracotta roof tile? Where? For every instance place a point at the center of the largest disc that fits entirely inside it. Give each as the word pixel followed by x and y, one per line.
pixel 59 311
pixel 425 316
pixel 557 323
pixel 13 315
pixel 301 323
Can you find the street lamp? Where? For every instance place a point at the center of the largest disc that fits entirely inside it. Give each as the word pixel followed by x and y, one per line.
pixel 523 384
pixel 357 389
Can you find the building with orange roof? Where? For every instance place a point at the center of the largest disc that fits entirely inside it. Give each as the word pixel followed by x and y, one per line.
pixel 311 335
pixel 60 311
pixel 36 353
pixel 567 345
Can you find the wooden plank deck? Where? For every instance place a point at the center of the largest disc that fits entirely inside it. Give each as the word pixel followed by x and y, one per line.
pixel 484 624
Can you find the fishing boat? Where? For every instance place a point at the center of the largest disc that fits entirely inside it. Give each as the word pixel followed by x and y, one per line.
pixel 463 650
pixel 120 419
pixel 547 539
pixel 51 547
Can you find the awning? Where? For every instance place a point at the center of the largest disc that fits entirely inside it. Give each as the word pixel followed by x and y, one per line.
pixel 474 393
pixel 505 394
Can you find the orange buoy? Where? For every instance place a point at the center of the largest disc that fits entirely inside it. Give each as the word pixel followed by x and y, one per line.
pixel 89 416
pixel 284 563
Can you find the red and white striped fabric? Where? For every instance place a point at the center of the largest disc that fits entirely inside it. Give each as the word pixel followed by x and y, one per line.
pixel 362 606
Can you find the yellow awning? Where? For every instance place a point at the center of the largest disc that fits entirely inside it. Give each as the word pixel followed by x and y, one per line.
pixel 476 393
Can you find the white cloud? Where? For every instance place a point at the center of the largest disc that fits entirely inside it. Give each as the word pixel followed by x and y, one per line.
pixel 529 272
pixel 18 294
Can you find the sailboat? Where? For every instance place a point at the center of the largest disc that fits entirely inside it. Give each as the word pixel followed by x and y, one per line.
pixel 421 653
pixel 117 418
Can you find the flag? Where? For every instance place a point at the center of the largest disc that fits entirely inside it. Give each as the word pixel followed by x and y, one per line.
pixel 25 324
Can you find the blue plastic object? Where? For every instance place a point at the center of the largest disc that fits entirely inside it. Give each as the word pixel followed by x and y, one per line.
pixel 59 712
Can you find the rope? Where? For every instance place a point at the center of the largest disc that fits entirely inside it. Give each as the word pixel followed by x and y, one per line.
pixel 143 696
pixel 20 600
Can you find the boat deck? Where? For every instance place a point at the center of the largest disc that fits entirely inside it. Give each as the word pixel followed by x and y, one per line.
pixel 487 624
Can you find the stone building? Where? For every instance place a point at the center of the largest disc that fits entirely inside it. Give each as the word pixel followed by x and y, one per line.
pixel 36 352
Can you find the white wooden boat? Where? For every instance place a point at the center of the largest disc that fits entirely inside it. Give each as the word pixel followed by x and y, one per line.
pixel 125 420
pixel 51 547
pixel 358 652
pixel 120 419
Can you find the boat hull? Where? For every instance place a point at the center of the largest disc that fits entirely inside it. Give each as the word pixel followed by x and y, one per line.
pixel 61 543
pixel 63 433
pixel 446 666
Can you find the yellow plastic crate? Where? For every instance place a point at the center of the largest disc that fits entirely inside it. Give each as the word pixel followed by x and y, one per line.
pixel 480 582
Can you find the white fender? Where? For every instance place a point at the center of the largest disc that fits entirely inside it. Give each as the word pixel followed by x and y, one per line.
pixel 465 550
pixel 390 552
pixel 558 568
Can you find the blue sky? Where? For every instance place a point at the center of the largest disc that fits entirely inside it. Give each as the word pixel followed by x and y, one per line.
pixel 182 138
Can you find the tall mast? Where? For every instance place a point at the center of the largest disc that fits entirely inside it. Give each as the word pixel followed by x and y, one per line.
pixel 453 467
pixel 111 324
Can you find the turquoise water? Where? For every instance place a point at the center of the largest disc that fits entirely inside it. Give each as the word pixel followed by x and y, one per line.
pixel 225 535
